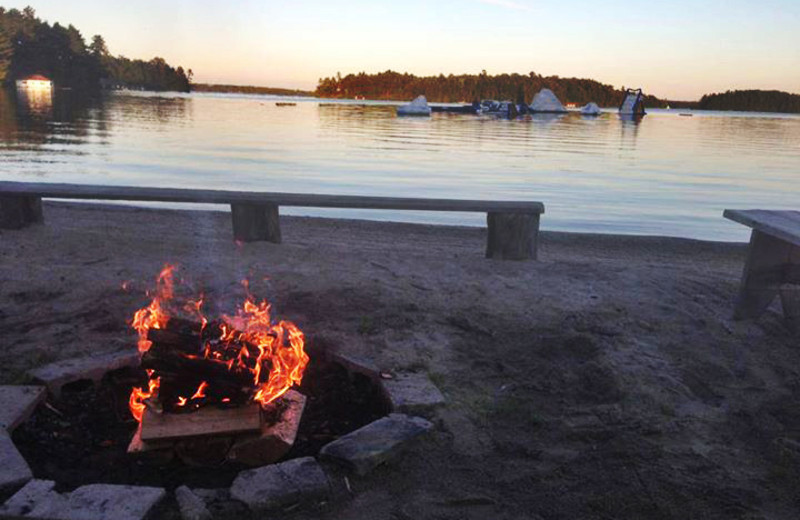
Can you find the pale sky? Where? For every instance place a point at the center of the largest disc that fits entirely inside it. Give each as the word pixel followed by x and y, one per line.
pixel 676 49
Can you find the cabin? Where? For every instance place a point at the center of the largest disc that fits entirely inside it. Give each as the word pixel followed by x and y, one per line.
pixel 35 82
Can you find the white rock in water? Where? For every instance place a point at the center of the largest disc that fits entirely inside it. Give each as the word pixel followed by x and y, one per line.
pixel 591 109
pixel 546 101
pixel 418 107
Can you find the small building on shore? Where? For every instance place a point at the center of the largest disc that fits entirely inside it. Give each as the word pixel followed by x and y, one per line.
pixel 37 82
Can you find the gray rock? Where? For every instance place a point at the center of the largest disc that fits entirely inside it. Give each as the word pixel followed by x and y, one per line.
pixel 357 365
pixel 14 471
pixel 280 485
pixel 17 403
pixel 56 375
pixel 375 443
pixel 213 495
pixel 192 507
pixel 37 500
pixel 412 393
pixel 220 504
pixel 24 500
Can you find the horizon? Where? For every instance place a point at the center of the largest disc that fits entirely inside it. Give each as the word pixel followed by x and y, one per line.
pixel 258 44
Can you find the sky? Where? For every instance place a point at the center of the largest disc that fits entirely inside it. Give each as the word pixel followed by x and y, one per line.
pixel 675 49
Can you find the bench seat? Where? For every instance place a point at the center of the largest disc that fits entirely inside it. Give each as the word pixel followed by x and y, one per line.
pixel 513 225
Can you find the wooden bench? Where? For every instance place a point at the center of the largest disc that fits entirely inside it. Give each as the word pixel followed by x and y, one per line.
pixel 513 225
pixel 773 263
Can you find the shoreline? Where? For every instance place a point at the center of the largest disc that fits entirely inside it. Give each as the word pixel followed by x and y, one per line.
pixel 609 368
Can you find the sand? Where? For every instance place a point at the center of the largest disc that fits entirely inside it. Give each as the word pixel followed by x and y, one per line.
pixel 606 380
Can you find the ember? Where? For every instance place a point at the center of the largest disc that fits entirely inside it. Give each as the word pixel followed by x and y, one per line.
pixel 192 361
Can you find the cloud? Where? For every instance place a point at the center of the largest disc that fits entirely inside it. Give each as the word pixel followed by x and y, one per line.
pixel 508 4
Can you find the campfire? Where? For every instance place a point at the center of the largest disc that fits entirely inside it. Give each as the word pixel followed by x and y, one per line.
pixel 216 376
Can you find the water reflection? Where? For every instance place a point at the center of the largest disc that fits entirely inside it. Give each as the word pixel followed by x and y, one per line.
pixel 35 103
pixel 547 118
pixel 630 129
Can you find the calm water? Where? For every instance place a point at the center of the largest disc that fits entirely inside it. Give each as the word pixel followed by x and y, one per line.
pixel 665 175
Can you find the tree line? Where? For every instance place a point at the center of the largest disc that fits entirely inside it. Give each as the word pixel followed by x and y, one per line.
pixel 390 85
pixel 752 101
pixel 245 89
pixel 30 46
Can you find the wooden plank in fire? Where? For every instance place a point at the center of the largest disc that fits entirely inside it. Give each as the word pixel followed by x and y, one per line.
pixel 203 422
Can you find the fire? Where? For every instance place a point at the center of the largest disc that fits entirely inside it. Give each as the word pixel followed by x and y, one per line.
pixel 138 397
pixel 154 316
pixel 200 391
pixel 269 355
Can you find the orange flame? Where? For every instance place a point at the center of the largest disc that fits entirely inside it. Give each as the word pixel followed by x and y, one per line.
pixel 279 362
pixel 201 391
pixel 281 346
pixel 155 316
pixel 138 397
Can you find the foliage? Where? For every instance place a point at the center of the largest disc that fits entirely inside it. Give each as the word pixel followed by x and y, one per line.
pixel 6 52
pixel 30 46
pixel 752 101
pixel 471 87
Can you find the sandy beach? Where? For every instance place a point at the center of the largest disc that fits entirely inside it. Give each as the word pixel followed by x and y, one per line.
pixel 606 380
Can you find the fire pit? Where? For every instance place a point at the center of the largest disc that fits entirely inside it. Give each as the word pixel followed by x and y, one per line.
pixel 214 381
pixel 205 399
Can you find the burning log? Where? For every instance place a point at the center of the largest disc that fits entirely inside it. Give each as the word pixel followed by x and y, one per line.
pixel 185 335
pixel 186 377
pixel 167 360
pixel 193 338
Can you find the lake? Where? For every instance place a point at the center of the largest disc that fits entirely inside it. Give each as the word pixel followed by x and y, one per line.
pixel 667 174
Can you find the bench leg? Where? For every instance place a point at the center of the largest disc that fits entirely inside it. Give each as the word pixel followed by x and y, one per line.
pixel 512 236
pixel 19 211
pixel 790 300
pixel 769 264
pixel 255 222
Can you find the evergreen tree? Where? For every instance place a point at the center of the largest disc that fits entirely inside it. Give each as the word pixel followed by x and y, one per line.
pixel 6 52
pixel 98 47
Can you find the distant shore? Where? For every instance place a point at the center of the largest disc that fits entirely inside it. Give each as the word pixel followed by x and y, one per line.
pixel 245 89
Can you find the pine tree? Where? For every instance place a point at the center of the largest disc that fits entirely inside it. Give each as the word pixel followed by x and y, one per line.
pixel 6 53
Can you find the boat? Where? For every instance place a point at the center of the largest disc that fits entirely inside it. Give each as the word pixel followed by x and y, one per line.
pixel 499 108
pixel 474 108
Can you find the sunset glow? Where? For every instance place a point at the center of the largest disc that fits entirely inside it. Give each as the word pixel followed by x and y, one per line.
pixel 675 49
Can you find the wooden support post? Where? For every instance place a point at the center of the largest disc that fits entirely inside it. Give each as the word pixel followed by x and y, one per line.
pixel 790 300
pixel 19 211
pixel 512 236
pixel 254 222
pixel 768 265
